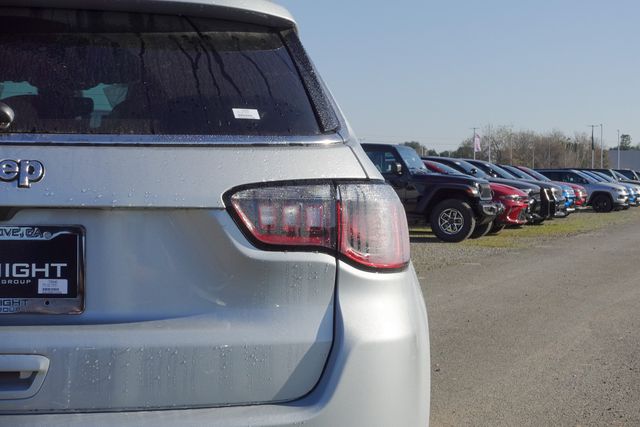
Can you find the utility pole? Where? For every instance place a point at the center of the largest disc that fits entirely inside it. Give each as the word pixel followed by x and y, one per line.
pixel 593 148
pixel 601 146
pixel 618 148
pixel 489 143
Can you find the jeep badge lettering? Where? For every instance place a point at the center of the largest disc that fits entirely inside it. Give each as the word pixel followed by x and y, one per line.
pixel 25 172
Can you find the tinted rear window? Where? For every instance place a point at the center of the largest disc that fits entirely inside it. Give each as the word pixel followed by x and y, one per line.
pixel 118 73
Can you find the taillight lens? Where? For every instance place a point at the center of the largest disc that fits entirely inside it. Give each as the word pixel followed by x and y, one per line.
pixel 373 226
pixel 364 223
pixel 289 215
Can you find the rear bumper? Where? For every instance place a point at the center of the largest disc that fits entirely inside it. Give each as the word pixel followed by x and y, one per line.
pixel 378 373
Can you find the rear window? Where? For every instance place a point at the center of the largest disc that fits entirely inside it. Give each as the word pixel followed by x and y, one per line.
pixel 68 71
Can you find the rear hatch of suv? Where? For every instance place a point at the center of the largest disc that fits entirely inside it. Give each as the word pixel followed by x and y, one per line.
pixel 124 281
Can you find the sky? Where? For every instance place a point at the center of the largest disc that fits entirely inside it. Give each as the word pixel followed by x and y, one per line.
pixel 430 71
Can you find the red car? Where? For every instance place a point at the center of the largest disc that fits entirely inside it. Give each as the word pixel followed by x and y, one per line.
pixel 581 194
pixel 516 206
pixel 515 202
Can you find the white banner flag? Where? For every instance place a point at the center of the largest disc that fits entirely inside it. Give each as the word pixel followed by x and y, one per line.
pixel 476 143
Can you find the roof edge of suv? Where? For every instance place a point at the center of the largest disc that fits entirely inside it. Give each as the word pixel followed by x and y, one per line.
pixel 260 12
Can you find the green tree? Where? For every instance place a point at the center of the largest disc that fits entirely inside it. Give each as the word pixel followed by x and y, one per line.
pixel 415 145
pixel 625 142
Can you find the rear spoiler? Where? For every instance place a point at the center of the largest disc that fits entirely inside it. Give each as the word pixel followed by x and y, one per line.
pixel 260 12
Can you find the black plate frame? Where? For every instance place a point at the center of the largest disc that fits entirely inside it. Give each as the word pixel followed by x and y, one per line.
pixel 51 305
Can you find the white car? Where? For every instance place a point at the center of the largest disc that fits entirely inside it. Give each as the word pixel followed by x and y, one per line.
pixel 190 233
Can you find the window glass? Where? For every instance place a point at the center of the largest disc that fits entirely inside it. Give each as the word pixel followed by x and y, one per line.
pixel 411 158
pixel 66 71
pixel 501 172
pixel 383 160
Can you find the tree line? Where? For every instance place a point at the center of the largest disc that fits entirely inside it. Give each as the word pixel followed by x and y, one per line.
pixel 553 149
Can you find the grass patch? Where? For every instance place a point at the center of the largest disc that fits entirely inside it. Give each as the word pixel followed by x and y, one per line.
pixel 577 223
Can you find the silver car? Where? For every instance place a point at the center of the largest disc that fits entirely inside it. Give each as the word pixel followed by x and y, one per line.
pixel 602 196
pixel 190 234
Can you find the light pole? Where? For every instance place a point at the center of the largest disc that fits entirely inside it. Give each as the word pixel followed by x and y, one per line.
pixel 489 142
pixel 593 148
pixel 601 146
pixel 618 148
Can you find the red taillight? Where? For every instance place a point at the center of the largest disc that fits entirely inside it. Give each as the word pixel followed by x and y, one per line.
pixel 288 215
pixel 364 223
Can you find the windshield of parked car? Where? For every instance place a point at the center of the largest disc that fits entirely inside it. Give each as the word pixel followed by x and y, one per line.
pixel 411 159
pixel 515 172
pixel 603 176
pixel 127 73
pixel 470 169
pixel 586 175
pixel 501 172
pixel 620 176
pixel 535 174
pixel 629 174
pixel 447 170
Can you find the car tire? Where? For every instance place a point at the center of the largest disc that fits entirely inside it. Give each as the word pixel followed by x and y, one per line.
pixel 452 220
pixel 481 230
pixel 497 228
pixel 602 203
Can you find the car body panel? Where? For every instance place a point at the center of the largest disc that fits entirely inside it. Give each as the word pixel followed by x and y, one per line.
pixel 380 321
pixel 166 176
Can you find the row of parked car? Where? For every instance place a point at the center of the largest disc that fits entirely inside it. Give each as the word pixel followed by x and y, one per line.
pixel 462 198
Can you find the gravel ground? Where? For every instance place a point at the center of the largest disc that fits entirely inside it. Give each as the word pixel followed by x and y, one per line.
pixel 429 253
pixel 542 335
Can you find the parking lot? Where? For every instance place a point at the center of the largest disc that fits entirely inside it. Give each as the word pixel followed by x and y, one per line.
pixel 538 327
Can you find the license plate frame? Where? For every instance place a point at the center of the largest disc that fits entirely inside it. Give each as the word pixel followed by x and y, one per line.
pixel 27 249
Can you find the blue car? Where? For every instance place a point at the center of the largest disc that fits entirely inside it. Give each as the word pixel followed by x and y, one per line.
pixel 570 197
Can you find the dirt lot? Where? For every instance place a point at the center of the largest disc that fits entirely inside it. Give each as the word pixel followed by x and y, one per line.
pixel 436 254
pixel 538 326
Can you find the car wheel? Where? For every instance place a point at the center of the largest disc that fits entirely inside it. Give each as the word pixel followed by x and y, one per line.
pixel 602 203
pixel 452 220
pixel 496 228
pixel 481 230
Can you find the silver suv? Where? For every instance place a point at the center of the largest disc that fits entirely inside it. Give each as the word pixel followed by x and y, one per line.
pixel 602 196
pixel 189 233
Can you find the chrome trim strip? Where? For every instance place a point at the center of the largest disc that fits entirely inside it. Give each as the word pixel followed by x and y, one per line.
pixel 165 140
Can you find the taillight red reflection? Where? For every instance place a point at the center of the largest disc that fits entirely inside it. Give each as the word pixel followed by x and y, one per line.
pixel 373 226
pixel 288 216
pixel 365 222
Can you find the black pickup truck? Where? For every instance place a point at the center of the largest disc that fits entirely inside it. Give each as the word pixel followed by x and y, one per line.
pixel 457 207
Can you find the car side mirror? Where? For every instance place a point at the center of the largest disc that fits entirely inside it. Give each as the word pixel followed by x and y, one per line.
pixel 6 116
pixel 397 168
pixel 473 171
